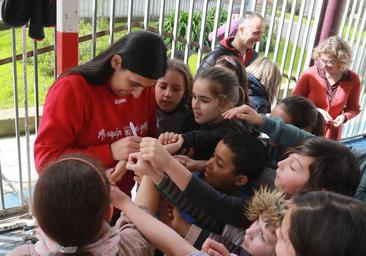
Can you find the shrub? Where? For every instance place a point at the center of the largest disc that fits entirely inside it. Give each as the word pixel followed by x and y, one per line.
pixel 297 7
pixel 196 25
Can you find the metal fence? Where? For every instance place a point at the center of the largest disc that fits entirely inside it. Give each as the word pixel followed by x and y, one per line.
pixel 292 27
pixel 352 29
pixel 121 7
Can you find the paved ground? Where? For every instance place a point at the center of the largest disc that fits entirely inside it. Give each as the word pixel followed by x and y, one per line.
pixel 10 170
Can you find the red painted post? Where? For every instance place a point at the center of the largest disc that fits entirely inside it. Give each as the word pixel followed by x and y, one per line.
pixel 67 34
pixel 329 25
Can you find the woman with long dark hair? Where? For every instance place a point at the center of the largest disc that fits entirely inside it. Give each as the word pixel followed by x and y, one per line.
pixel 103 107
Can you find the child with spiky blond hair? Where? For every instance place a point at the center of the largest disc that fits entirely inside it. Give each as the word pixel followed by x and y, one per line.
pixel 267 209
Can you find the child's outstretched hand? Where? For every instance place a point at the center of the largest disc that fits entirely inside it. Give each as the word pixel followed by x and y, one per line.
pixel 189 163
pixel 339 120
pixel 172 142
pixel 211 247
pixel 233 112
pixel 168 138
pixel 139 166
pixel 117 197
pixel 116 173
pixel 246 113
pixel 152 151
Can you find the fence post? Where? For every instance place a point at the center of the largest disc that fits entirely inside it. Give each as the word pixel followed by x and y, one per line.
pixel 329 24
pixel 67 34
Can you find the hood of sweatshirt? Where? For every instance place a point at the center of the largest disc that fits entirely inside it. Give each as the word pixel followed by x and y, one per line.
pixel 226 43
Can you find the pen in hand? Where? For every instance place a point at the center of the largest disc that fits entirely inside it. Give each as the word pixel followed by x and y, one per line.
pixel 133 129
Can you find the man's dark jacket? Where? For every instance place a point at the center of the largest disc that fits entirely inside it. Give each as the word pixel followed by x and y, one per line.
pixel 226 48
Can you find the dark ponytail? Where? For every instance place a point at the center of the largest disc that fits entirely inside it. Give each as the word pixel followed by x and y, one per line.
pixel 304 114
pixel 224 84
pixel 233 63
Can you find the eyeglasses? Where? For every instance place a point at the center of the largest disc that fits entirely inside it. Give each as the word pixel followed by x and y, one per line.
pixel 328 62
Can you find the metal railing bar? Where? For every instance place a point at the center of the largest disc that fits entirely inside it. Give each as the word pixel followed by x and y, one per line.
pixel 355 123
pixel 315 26
pixel 287 43
pixel 242 7
pixel 362 104
pixel 254 4
pixel 111 22
pixel 305 39
pixel 264 7
pixel 189 32
pixel 29 54
pixel 295 44
pixel 216 24
pixel 146 14
pixel 129 16
pixel 2 190
pixel 16 108
pixel 202 32
pixel 357 22
pixel 350 20
pixel 361 116
pixel 26 115
pixel 36 91
pixel 55 54
pixel 228 19
pixel 363 46
pixel 350 126
pixel 161 16
pixel 26 118
pixel 175 28
pixel 263 12
pixel 279 31
pixel 340 31
pixel 271 27
pixel 358 42
pixel 94 28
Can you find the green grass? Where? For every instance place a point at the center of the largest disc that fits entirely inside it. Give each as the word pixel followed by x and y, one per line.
pixel 6 88
pixel 6 71
pixel 192 63
pixel 45 61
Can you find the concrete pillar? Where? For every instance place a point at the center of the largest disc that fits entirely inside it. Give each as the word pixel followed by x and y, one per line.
pixel 67 34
